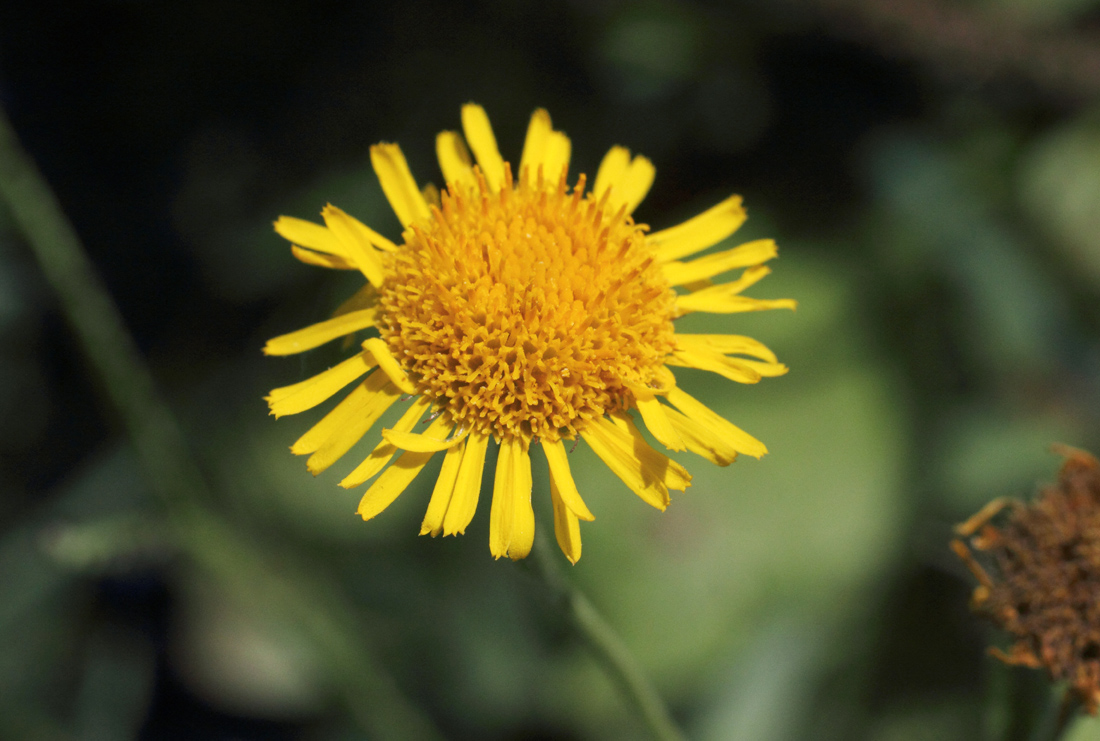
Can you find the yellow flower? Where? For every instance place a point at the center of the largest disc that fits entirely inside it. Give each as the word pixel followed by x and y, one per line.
pixel 527 312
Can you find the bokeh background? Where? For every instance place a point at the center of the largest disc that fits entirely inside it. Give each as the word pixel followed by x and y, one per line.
pixel 931 170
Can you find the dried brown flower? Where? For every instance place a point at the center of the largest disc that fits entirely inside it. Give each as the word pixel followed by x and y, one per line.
pixel 1043 586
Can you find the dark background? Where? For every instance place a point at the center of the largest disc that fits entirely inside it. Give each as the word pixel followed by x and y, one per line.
pixel 932 174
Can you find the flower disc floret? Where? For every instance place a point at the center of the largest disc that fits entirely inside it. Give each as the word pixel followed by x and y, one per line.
pixel 527 312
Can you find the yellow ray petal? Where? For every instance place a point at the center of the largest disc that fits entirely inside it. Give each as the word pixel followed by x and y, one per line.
pixel 475 123
pixel 318 334
pixel 714 362
pixel 698 232
pixel 384 451
pixel 354 236
pixel 750 277
pixel 656 421
pixel 723 303
pixel 635 183
pixel 398 183
pixel 501 512
pixel 560 473
pixel 726 344
pixel 567 529
pixel 311 392
pixel 767 370
pixel 420 443
pixel 654 463
pixel 454 159
pixel 307 234
pixel 377 239
pixel 315 437
pixel 702 440
pixel 625 181
pixel 467 485
pixel 309 257
pixel 611 170
pixel 387 363
pixel 534 145
pixel 555 163
pixel 398 476
pixel 748 254
pixel 741 441
pixel 443 491
pixel 612 445
pixel 381 397
pixel 523 515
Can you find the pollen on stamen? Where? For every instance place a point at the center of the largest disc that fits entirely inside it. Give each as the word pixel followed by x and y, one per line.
pixel 525 313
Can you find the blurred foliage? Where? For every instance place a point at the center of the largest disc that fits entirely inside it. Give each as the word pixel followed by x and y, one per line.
pixel 939 231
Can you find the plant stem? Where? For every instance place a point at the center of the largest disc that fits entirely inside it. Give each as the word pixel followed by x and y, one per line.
pixel 609 648
pixel 170 469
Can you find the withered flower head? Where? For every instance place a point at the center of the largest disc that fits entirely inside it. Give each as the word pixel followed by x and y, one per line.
pixel 1043 586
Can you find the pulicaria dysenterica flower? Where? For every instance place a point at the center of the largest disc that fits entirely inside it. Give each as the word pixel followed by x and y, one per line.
pixel 528 312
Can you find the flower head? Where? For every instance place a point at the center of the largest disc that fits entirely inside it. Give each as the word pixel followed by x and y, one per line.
pixel 1046 558
pixel 529 312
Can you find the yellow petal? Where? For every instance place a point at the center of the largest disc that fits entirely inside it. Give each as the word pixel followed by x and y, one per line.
pixel 609 443
pixel 318 334
pixel 748 254
pixel 378 240
pixel 381 397
pixel 555 164
pixel 560 473
pixel 698 232
pixel 702 440
pixel 714 362
pixel 523 514
pixel 475 123
pixel 726 344
pixel 420 443
pixel 635 183
pixel 741 441
pixel 654 463
pixel 307 234
pixel 398 476
pixel 398 183
pixel 454 160
pixel 384 451
pixel 722 303
pixel 534 145
pixel 611 170
pixel 467 485
pixel 353 235
pixel 387 363
pixel 501 512
pixel 567 529
pixel 311 392
pixel 656 421
pixel 443 491
pixel 625 182
pixel 309 257
pixel 315 437
pixel 724 298
pixel 767 370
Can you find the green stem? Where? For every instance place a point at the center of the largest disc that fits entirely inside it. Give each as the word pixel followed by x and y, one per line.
pixel 608 647
pixel 170 469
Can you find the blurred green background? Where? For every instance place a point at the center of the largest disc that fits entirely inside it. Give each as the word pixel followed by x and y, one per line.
pixel 931 171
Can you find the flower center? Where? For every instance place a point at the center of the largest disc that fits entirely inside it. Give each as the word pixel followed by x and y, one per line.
pixel 527 312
